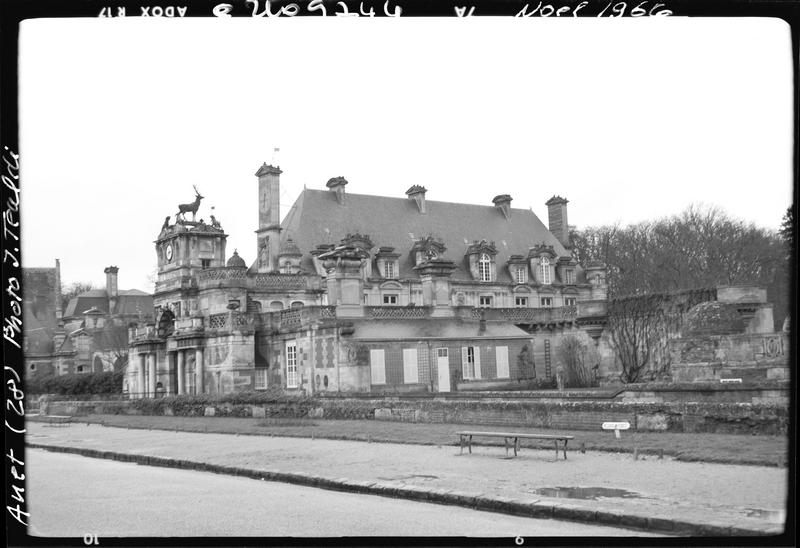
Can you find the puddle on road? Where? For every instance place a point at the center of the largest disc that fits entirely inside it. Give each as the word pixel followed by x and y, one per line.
pixel 773 516
pixel 586 493
pixel 410 476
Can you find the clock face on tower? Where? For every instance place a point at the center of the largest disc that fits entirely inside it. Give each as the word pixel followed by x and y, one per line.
pixel 169 253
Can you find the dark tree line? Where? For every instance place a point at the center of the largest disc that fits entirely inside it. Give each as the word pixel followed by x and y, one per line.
pixel 699 248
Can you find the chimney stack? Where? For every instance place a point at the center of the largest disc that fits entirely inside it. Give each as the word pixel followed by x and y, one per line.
pixel 417 193
pixel 557 219
pixel 112 290
pixel 111 281
pixel 59 310
pixel 503 203
pixel 269 217
pixel 336 185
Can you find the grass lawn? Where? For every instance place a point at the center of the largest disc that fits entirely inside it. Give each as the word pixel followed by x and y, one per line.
pixel 724 448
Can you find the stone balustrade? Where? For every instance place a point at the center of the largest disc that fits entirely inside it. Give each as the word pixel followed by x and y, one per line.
pixel 559 314
pixel 397 312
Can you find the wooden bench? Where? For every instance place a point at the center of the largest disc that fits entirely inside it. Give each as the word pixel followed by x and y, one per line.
pixel 58 420
pixel 466 438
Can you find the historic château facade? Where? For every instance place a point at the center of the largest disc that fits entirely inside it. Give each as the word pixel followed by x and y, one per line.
pixel 363 293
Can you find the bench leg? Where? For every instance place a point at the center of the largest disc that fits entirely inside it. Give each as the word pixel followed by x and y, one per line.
pixel 462 445
pixel 470 445
pixel 556 442
pixel 565 449
pixel 505 442
pixel 516 446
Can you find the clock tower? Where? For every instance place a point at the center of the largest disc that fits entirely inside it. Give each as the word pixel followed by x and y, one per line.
pixel 185 248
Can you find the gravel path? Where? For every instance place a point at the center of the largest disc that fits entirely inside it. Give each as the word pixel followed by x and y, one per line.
pixel 728 495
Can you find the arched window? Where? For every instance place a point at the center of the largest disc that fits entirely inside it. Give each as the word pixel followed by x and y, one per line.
pixel 296 304
pixel 485 268
pixel 276 305
pixel 166 324
pixel 545 270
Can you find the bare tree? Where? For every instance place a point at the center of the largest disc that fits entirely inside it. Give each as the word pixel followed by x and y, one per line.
pixel 572 354
pixel 112 339
pixel 632 326
pixel 73 290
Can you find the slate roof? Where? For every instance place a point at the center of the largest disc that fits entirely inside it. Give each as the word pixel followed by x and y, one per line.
pixel 129 302
pixel 433 328
pixel 317 218
pixel 38 336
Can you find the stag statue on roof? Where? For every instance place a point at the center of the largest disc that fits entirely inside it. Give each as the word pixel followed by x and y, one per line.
pixel 191 207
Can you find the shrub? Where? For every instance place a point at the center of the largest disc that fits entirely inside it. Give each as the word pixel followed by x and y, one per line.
pixel 77 384
pixel 572 354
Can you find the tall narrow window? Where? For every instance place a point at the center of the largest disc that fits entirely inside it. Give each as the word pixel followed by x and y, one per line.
pixel 520 275
pixel 485 268
pixel 388 269
pixel 570 276
pixel 544 267
pixel 291 365
pixel 470 362
pixel 260 378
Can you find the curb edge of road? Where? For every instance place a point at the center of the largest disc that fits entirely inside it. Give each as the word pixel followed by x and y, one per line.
pixel 504 505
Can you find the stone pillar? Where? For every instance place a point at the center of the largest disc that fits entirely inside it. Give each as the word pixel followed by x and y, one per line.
pixel 181 373
pixel 141 388
pixel 151 371
pixel 435 276
pixel 198 369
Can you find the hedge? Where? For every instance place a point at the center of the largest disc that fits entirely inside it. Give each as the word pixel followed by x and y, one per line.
pixel 107 382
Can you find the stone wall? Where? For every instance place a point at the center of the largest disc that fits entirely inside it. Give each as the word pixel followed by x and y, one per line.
pixel 729 418
pixel 749 357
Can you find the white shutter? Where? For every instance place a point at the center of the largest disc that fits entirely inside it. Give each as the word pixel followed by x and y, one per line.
pixel 377 367
pixel 410 372
pixel 477 362
pixel 465 372
pixel 501 355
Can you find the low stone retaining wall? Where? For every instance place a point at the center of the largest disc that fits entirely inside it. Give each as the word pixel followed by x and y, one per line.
pixel 728 418
pixel 736 418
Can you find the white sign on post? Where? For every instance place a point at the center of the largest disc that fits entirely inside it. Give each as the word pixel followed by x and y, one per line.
pixel 616 427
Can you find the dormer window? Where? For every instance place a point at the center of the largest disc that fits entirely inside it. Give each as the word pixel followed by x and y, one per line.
pixel 485 268
pixel 520 276
pixel 544 266
pixel 569 276
pixel 481 256
pixel 387 262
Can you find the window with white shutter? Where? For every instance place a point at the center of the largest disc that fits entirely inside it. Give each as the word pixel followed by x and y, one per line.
pixel 410 369
pixel 377 367
pixel 501 359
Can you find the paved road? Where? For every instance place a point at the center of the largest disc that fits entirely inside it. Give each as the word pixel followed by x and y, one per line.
pixel 108 498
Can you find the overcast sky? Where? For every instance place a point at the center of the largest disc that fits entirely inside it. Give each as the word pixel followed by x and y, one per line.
pixel 629 119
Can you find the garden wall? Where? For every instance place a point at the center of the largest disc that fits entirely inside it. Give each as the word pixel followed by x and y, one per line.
pixel 729 418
